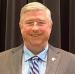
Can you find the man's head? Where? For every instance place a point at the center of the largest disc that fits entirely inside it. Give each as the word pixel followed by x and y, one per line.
pixel 35 24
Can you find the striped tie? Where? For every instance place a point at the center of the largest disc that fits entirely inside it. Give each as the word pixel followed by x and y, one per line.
pixel 34 69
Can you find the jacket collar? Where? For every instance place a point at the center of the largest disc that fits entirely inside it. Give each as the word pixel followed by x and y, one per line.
pixel 16 60
pixel 52 60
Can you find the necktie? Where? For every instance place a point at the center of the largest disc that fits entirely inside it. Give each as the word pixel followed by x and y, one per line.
pixel 34 68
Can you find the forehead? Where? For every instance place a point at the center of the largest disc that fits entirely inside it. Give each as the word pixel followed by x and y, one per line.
pixel 35 14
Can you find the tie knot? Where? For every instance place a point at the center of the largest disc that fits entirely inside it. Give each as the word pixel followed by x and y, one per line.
pixel 34 67
pixel 35 58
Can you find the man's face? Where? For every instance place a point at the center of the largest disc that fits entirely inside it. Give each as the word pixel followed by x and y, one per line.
pixel 35 27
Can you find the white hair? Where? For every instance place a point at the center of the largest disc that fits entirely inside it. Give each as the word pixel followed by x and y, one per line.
pixel 35 6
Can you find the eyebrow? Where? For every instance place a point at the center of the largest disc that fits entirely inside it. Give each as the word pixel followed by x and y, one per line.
pixel 30 20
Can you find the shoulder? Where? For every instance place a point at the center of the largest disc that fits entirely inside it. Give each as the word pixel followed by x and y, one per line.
pixel 6 58
pixel 64 54
pixel 10 51
pixel 66 60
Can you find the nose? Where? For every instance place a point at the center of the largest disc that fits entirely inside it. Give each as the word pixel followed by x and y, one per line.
pixel 35 26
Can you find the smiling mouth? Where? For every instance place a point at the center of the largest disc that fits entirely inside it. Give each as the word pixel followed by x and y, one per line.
pixel 35 35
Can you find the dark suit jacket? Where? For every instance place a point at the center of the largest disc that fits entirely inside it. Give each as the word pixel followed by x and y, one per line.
pixel 64 63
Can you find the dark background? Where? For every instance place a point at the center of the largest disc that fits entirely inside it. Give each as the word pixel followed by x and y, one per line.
pixel 63 16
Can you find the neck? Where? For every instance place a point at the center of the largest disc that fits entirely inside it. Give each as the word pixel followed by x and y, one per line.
pixel 36 49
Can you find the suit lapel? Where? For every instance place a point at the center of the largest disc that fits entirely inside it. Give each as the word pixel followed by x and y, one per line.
pixel 16 60
pixel 53 60
pixel 52 63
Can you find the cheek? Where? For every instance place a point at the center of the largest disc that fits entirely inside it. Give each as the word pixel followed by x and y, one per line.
pixel 25 29
pixel 42 29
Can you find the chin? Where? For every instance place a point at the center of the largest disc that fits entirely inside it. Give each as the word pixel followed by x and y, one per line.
pixel 36 43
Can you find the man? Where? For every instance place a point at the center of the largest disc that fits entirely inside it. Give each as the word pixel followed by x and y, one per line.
pixel 36 55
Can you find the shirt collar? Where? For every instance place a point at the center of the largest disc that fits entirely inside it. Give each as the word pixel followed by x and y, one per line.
pixel 28 54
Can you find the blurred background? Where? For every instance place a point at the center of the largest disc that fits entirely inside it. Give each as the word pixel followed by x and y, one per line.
pixel 63 16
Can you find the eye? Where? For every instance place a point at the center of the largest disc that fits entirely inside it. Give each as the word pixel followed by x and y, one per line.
pixel 41 23
pixel 29 23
